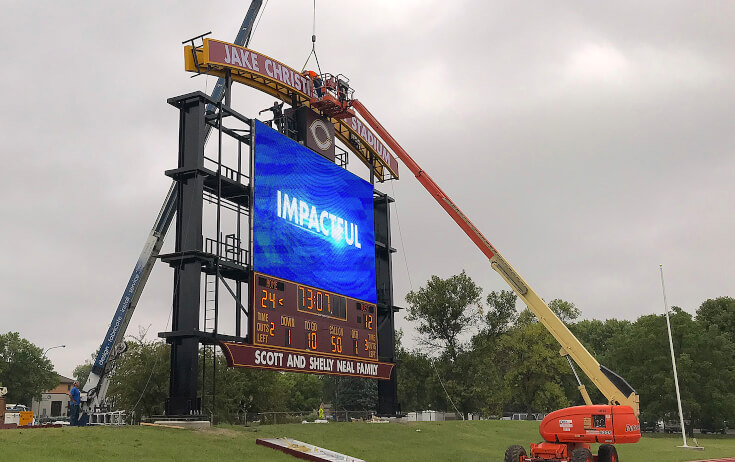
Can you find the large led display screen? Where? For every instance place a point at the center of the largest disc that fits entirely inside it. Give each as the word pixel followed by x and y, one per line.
pixel 312 220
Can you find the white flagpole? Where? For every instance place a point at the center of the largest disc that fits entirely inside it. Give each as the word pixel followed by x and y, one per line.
pixel 673 361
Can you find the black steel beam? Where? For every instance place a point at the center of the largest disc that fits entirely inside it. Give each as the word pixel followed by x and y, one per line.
pixel 183 399
pixel 388 404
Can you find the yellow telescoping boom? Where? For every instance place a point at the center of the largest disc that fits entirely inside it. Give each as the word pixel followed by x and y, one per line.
pixel 615 388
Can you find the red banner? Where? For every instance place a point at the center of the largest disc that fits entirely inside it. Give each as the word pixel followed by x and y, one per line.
pixel 244 355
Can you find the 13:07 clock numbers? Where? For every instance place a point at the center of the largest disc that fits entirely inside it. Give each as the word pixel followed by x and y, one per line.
pixel 331 323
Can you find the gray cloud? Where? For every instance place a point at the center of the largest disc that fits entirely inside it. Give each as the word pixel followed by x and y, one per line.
pixel 588 142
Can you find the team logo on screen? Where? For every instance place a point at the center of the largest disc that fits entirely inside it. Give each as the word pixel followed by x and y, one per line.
pixel 321 134
pixel 306 216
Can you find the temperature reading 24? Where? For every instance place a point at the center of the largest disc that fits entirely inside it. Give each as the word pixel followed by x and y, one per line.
pixel 270 299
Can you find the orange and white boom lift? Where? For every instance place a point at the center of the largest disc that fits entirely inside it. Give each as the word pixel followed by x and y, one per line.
pixel 567 432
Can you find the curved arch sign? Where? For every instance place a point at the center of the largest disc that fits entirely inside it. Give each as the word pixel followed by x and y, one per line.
pixel 261 72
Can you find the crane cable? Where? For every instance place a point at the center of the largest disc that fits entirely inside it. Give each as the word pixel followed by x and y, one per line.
pixel 410 283
pixel 262 11
pixel 313 44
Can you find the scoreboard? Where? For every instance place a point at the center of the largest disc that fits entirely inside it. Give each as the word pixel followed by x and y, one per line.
pixel 299 317
pixel 313 286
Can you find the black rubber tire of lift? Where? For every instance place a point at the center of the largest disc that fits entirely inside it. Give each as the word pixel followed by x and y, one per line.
pixel 582 455
pixel 515 453
pixel 607 453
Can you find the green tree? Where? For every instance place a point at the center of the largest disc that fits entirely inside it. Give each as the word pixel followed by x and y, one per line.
pixel 566 311
pixel 598 337
pixel 242 391
pixel 707 375
pixel 465 384
pixel 24 370
pixel 81 372
pixel 705 367
pixel 562 387
pixel 415 381
pixel 486 371
pixel 303 391
pixel 501 313
pixel 526 318
pixel 350 393
pixel 445 309
pixel 484 367
pixel 641 356
pixel 534 369
pixel 140 379
pixel 718 312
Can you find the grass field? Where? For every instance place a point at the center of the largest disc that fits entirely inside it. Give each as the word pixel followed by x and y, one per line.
pixel 415 441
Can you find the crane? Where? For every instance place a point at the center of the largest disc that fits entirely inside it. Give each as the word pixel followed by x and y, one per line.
pixel 95 388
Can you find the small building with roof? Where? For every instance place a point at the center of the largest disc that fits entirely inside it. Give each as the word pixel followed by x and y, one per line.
pixel 54 403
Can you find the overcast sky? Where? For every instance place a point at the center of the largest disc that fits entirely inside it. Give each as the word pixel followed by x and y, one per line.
pixel 589 141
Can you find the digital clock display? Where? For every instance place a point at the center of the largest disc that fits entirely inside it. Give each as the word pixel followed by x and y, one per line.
pixel 295 316
pixel 316 301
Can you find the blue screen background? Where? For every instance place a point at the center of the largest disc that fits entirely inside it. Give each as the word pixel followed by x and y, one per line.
pixel 288 250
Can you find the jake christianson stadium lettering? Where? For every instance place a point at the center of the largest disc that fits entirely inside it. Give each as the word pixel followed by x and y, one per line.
pixel 247 59
pixel 236 57
pixel 306 216
pixel 312 220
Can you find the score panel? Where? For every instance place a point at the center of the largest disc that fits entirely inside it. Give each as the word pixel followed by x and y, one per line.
pixel 294 316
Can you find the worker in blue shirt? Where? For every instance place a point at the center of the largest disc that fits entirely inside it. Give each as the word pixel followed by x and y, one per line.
pixel 75 398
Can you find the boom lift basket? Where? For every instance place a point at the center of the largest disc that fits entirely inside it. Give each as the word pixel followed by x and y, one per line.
pixel 334 95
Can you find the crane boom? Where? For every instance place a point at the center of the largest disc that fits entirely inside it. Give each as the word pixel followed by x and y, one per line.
pixel 615 388
pixel 95 388
pixel 242 39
